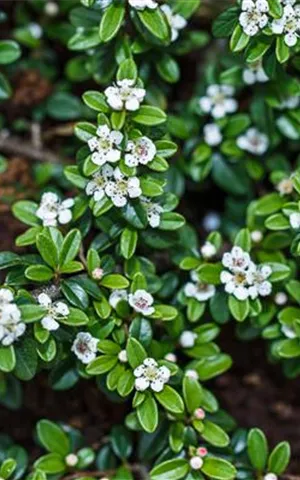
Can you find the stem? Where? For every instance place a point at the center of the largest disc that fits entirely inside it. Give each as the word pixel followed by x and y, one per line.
pixel 13 145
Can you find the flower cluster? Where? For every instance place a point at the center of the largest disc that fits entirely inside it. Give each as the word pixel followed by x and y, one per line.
pixel 242 278
pixel 104 146
pixel 11 325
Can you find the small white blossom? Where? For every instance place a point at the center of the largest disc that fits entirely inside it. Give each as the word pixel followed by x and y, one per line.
pixel 290 102
pixel 236 284
pixel 285 186
pixel 288 24
pixel 295 220
pixel 270 476
pixel 281 298
pixel 11 325
pixel 192 374
pixel 288 331
pixel 199 414
pixel 177 22
pixel 53 211
pixel 200 291
pixel 254 73
pixel 105 146
pixel 212 134
pixel 196 463
pixel 256 236
pixel 85 347
pixel 141 301
pixel 236 260
pixel 116 296
pixel 119 188
pixel 253 142
pixel 122 356
pixel 142 4
pixel 96 186
pixel 149 374
pixel 71 460
pixel 253 17
pixel 257 279
pixel 171 357
pixel 211 221
pixel 187 339
pixel 140 151
pixel 208 250
pixel 124 95
pixel 153 211
pixel 35 30
pixel 218 101
pixel 55 311
pixel 97 273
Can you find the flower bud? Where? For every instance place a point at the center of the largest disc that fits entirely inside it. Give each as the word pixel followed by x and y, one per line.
pixel 202 451
pixel 270 476
pixel 187 339
pixel 71 460
pixel 97 273
pixel 281 298
pixel 199 413
pixel 122 356
pixel 192 374
pixel 51 9
pixel 256 236
pixel 171 357
pixel 196 463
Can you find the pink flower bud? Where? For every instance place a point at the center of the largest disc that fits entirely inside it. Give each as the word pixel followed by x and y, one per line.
pixel 199 413
pixel 202 451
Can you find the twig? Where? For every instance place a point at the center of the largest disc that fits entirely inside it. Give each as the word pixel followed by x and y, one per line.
pixel 65 130
pixel 17 146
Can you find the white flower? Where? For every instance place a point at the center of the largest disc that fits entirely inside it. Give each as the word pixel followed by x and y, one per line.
pixel 208 250
pixel 212 134
pixel 288 24
pixel 141 151
pixel 199 291
pixel 192 374
pixel 51 9
pixel 295 220
pixel 53 211
pixel 256 236
pixel 254 73
pixel 253 17
pixel 116 296
pixel 196 463
pixel 55 311
pixel 187 339
pixel 285 186
pixel 153 210
pixel 142 4
pixel 119 188
pixel 11 325
pixel 105 145
pixel 218 101
pixel 35 30
pixel 71 460
pixel 96 186
pixel 253 141
pixel 290 102
pixel 281 298
pixel 289 332
pixel 236 284
pixel 122 356
pixel 141 301
pixel 237 260
pixel 97 273
pixel 124 95
pixel 257 279
pixel 176 21
pixel 270 476
pixel 149 374
pixel 85 347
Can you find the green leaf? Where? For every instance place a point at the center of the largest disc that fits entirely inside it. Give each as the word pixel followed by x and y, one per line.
pixel 9 51
pixel 147 413
pixel 26 359
pixel 282 50
pixel 127 70
pixel 155 22
pixel 51 463
pixel 218 469
pixel 101 364
pixel 70 247
pixel 257 447
pixel 279 458
pixel 214 366
pixel 31 312
pixel 128 242
pixel 239 40
pixel 39 273
pixel 268 204
pixel 47 249
pixel 238 308
pixel 168 69
pixel 192 393
pixel 53 437
pixel 25 211
pixel 171 469
pixel 135 352
pixel 224 25
pixel 214 434
pixel 96 101
pixel 147 115
pixel 7 359
pixel 115 281
pixel 73 175
pixel 64 106
pixel 170 399
pixel 171 221
pixel 5 88
pixel 111 22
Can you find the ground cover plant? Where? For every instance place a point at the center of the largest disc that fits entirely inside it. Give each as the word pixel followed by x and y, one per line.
pixel 150 212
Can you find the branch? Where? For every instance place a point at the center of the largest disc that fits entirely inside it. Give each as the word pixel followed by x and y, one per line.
pixel 17 146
